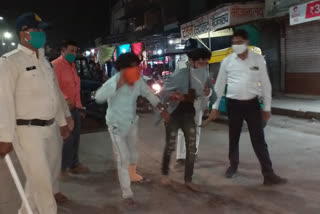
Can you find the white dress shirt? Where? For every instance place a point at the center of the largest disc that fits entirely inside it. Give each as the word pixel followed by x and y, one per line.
pixel 246 79
pixel 28 90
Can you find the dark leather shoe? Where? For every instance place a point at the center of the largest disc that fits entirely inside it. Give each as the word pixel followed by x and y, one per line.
pixel 231 172
pixel 274 180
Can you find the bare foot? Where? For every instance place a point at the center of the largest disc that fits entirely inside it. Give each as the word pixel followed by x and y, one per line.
pixel 165 180
pixel 80 169
pixel 64 176
pixel 129 203
pixel 60 198
pixel 142 181
pixel 193 187
pixel 135 177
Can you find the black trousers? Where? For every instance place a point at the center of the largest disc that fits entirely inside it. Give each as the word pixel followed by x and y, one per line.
pixel 186 123
pixel 250 111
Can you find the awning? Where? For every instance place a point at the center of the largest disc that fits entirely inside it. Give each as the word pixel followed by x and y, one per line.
pixel 227 16
pixel 105 53
pixel 137 48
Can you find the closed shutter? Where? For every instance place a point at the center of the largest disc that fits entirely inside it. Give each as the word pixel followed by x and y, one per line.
pixel 303 48
pixel 303 58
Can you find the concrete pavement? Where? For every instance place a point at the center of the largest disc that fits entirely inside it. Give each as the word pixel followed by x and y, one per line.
pixel 295 151
pixel 297 106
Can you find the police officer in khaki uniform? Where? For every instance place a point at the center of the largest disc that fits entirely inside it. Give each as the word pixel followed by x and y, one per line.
pixel 30 111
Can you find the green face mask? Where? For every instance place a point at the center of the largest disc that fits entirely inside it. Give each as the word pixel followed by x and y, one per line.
pixel 38 39
pixel 70 57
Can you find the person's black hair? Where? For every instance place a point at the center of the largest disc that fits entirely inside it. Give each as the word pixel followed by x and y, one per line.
pixel 126 60
pixel 199 53
pixel 241 33
pixel 191 44
pixel 66 43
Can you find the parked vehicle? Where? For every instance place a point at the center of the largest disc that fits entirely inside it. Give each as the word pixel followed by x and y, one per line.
pixel 88 87
pixel 155 82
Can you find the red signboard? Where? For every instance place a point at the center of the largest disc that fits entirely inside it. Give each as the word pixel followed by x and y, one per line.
pixel 313 10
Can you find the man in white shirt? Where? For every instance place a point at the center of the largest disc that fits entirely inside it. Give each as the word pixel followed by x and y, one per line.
pixel 30 111
pixel 246 75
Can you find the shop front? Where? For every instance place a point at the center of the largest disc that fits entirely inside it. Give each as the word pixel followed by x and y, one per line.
pixel 302 49
pixel 215 29
pixel 207 28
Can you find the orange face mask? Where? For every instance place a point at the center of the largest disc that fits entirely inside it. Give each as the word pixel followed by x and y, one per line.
pixel 132 75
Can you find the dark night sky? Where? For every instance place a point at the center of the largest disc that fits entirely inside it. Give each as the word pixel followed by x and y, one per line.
pixel 82 21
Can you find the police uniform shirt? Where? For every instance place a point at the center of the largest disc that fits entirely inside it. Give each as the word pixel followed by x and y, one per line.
pixel 27 91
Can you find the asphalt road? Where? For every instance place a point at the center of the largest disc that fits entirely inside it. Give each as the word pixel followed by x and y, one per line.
pixel 295 152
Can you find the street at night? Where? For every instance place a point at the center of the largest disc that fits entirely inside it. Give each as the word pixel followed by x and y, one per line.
pixel 160 107
pixel 295 154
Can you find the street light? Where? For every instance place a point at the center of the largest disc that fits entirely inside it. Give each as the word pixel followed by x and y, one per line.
pixel 13 44
pixel 1 18
pixel 7 35
pixel 3 44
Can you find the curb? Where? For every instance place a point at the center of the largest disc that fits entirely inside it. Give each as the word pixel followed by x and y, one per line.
pixel 296 114
pixel 282 112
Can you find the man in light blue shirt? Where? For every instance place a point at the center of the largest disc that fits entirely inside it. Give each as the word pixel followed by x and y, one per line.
pixel 121 93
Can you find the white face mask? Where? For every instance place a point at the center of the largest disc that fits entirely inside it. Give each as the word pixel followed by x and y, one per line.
pixel 199 73
pixel 239 49
pixel 199 77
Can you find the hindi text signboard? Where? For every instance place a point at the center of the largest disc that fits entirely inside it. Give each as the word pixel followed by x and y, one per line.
pixel 305 12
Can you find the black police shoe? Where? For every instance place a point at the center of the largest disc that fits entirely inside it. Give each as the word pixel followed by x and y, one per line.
pixel 274 180
pixel 231 172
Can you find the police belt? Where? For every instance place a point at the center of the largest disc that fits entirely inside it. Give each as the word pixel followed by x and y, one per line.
pixel 35 122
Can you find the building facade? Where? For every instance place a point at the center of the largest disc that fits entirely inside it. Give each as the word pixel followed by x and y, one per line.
pixel 299 44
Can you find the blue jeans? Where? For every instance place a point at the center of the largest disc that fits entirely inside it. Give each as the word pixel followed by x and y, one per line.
pixel 70 152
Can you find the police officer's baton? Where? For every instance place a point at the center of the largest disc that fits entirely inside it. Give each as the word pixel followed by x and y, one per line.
pixel 18 183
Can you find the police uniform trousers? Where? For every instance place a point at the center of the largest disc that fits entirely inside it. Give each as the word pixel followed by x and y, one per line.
pixel 33 148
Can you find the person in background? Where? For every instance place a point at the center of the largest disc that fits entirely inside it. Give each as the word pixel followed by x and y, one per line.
pixel 54 149
pixel 148 71
pixel 121 92
pixel 109 67
pixel 114 71
pixel 69 82
pixel 31 111
pixel 97 72
pixel 245 73
pixel 183 90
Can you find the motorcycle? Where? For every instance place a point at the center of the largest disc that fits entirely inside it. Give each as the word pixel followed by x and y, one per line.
pixel 155 83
